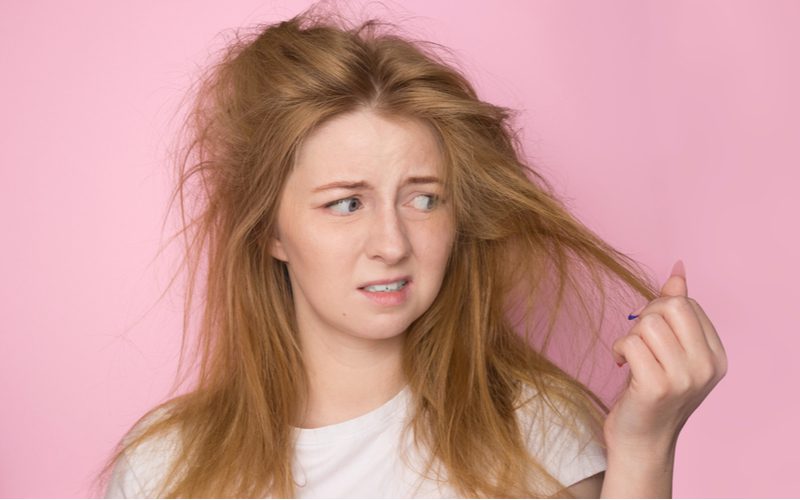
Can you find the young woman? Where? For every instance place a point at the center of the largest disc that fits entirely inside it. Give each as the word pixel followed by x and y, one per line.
pixel 366 227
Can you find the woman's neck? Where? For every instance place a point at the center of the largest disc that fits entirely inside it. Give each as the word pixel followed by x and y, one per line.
pixel 349 378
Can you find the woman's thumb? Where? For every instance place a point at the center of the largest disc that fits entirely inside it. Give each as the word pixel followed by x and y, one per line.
pixel 676 283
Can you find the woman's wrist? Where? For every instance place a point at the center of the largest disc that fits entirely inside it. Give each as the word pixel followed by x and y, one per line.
pixel 639 473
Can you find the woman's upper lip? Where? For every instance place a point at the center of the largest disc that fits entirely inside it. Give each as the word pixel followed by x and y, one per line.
pixel 385 282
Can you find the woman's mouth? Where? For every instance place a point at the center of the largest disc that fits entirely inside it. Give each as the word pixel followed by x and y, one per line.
pixel 390 294
pixel 389 287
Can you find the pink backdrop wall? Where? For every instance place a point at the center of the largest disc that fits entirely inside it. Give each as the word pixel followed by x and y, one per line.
pixel 671 127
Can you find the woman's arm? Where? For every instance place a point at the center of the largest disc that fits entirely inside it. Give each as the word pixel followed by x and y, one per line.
pixel 638 480
pixel 676 358
pixel 625 478
pixel 629 476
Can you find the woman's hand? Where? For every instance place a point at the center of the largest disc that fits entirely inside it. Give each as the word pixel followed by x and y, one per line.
pixel 676 358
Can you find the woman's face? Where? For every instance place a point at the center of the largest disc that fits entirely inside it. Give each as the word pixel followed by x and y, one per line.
pixel 389 224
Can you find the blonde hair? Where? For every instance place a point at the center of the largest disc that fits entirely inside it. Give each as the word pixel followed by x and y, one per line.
pixel 466 362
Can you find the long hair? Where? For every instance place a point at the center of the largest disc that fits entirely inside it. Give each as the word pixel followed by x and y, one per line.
pixel 467 363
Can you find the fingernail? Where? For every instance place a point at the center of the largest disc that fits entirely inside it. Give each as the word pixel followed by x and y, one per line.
pixel 679 269
pixel 635 314
pixel 620 364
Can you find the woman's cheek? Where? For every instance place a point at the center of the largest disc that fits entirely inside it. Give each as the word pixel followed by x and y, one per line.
pixel 440 238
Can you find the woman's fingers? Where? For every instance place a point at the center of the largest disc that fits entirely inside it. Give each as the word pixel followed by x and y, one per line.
pixel 712 338
pixel 662 342
pixel 645 368
pixel 675 358
pixel 679 313
pixel 681 338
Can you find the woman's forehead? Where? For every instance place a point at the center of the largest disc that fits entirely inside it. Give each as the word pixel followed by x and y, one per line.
pixel 365 145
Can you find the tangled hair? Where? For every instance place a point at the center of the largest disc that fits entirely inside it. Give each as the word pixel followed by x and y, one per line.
pixel 466 360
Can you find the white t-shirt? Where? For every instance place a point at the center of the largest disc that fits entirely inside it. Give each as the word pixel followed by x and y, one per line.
pixel 361 458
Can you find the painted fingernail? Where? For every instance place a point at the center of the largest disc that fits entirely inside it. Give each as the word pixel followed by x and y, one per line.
pixel 635 314
pixel 679 269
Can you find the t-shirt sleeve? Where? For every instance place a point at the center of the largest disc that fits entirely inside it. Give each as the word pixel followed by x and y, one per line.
pixel 139 474
pixel 123 482
pixel 140 471
pixel 568 456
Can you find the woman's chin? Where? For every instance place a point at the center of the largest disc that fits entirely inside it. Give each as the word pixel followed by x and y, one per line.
pixel 381 330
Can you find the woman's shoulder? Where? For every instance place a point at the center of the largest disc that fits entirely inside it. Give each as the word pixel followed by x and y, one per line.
pixel 558 436
pixel 140 470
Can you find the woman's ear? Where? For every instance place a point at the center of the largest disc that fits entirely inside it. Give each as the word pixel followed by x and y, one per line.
pixel 276 248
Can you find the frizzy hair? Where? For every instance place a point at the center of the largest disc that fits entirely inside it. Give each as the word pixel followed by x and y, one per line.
pixel 467 366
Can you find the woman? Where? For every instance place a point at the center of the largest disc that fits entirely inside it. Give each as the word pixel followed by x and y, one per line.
pixel 367 227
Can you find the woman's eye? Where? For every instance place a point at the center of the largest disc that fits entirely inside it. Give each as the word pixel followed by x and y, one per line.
pixel 346 204
pixel 431 201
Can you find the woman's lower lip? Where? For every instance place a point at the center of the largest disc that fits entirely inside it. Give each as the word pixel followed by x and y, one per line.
pixel 388 298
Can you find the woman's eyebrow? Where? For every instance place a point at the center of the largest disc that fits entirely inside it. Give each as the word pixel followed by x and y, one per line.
pixel 365 185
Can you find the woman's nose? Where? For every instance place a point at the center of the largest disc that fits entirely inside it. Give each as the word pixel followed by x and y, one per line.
pixel 388 239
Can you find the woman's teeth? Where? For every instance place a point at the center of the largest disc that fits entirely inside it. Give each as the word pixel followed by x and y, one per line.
pixel 391 287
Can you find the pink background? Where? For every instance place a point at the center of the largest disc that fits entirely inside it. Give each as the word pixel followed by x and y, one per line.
pixel 670 127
